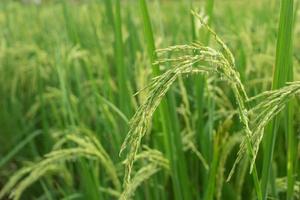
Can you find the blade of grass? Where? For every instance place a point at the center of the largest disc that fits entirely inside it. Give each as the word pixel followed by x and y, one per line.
pixel 209 192
pixel 19 146
pixel 124 94
pixel 282 74
pixel 109 12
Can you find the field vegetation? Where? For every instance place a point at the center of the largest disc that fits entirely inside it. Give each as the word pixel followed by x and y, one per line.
pixel 149 100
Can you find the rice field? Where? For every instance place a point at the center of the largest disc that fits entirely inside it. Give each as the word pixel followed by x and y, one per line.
pixel 149 100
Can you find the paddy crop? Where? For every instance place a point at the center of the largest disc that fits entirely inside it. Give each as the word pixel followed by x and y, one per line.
pixel 111 99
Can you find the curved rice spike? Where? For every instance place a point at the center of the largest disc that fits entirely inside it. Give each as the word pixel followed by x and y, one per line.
pixel 14 179
pixel 217 62
pixel 272 103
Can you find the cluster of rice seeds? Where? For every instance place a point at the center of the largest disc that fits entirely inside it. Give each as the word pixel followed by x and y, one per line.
pixel 271 103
